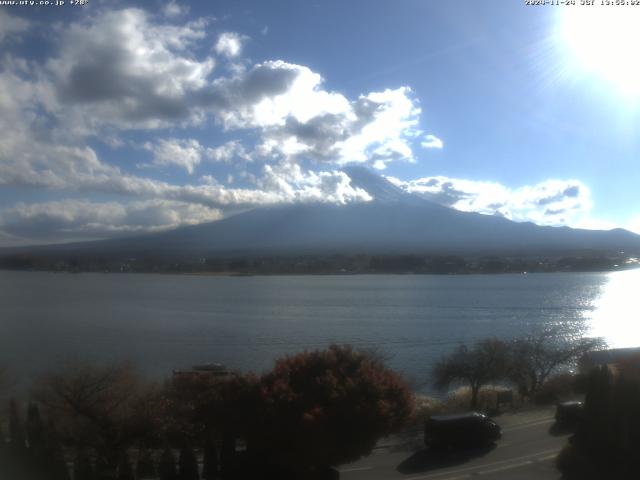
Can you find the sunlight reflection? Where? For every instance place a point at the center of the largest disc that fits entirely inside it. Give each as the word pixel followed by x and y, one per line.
pixel 615 315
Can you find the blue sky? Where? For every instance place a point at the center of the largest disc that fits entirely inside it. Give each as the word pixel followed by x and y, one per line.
pixel 131 117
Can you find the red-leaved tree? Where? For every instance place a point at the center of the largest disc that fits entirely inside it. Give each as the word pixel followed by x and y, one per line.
pixel 328 407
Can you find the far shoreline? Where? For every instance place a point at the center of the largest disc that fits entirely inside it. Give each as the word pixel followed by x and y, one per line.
pixel 230 274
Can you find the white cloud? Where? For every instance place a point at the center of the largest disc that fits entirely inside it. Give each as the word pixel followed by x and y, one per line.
pixel 230 44
pixel 431 141
pixel 127 70
pixel 293 184
pixel 65 168
pixel 385 123
pixel 552 202
pixel 11 25
pixel 209 180
pixel 174 9
pixel 226 153
pixel 122 70
pixel 83 219
pixel 307 121
pixel 269 93
pixel 185 153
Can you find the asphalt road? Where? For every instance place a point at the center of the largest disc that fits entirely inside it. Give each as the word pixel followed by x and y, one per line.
pixel 526 451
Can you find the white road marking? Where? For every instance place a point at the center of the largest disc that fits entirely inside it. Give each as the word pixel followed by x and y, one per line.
pixel 503 444
pixel 516 465
pixel 528 425
pixel 354 469
pixel 499 464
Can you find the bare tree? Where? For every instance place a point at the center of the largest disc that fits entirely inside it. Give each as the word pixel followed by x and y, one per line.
pixel 106 408
pixel 485 362
pixel 534 358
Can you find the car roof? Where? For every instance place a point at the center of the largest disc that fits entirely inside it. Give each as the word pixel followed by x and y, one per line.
pixel 456 416
pixel 570 403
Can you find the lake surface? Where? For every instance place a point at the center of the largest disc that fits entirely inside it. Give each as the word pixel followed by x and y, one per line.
pixel 162 322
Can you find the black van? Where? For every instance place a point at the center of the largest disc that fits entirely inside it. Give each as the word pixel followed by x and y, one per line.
pixel 460 431
pixel 568 414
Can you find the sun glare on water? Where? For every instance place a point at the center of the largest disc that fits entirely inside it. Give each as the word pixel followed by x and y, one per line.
pixel 616 317
pixel 604 39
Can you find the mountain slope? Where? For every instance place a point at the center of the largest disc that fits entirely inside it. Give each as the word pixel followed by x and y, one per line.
pixel 394 222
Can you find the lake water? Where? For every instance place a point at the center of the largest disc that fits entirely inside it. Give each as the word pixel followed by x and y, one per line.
pixel 162 322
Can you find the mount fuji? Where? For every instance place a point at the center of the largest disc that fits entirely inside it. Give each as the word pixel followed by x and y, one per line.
pixel 393 222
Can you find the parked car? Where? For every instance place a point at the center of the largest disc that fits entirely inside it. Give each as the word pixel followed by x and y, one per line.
pixel 460 431
pixel 568 414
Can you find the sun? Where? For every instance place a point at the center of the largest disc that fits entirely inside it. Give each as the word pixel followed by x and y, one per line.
pixel 605 41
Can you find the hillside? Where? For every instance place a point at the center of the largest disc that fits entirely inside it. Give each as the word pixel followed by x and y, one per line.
pixel 395 222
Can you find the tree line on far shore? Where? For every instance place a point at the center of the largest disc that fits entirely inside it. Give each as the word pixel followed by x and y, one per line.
pixel 318 264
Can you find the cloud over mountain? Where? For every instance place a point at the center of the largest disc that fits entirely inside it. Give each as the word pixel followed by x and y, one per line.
pixel 124 89
pixel 553 202
pixel 80 220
